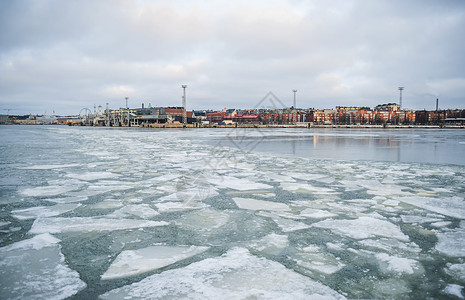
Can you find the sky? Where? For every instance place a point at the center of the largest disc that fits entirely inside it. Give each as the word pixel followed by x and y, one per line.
pixel 62 56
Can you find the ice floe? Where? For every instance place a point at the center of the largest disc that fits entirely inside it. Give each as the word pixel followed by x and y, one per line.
pixel 241 184
pixel 285 224
pixel 315 259
pixel 452 242
pixel 86 224
pixel 363 228
pixel 50 167
pixel 317 213
pixel 297 187
pixel 254 204
pixel 50 190
pixel 271 244
pixel 452 206
pixel 457 271
pixel 43 211
pixel 135 262
pixel 35 269
pixel 142 211
pixel 398 265
pixel 235 275
pixel 454 290
pixel 91 176
pixel 179 206
pixel 204 220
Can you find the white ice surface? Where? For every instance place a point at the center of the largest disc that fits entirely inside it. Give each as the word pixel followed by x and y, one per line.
pixel 50 167
pixel 179 206
pixel 297 187
pixel 235 183
pixel 254 204
pixel 90 176
pixel 457 271
pixel 204 220
pixel 398 265
pixel 87 224
pixel 452 243
pixel 271 244
pixel 454 290
pixel 317 213
pixel 285 224
pixel 35 269
pixel 50 190
pixel 315 259
pixel 43 211
pixel 363 228
pixel 234 275
pixel 142 211
pixel 135 262
pixel 451 206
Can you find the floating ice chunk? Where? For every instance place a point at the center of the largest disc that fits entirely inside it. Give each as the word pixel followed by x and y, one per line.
pixel 391 202
pixel 43 211
pixel 285 224
pixel 390 245
pixel 240 184
pixel 135 262
pixel 452 207
pixel 196 193
pixel 418 219
pixel 204 220
pixel 305 176
pixel 457 271
pixel 68 199
pixel 51 190
pixel 4 223
pixel 49 167
pixel 363 228
pixel 106 204
pixel 143 211
pixel 235 275
pixel 253 204
pixel 454 290
pixel 90 176
pixel 314 259
pixel 272 244
pixel 179 206
pixel 317 213
pixel 398 265
pixel 441 224
pixel 305 188
pixel 36 269
pixel 86 224
pixel 452 243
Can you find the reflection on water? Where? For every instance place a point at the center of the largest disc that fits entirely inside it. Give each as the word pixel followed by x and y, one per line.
pixel 401 145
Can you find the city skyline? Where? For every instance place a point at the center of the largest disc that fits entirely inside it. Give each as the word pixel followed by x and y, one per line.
pixel 63 56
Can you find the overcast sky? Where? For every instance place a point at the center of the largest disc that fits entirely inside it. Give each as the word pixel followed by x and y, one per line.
pixel 63 56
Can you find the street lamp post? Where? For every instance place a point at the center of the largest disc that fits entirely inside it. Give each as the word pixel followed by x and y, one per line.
pixel 127 107
pixel 184 113
pixel 295 109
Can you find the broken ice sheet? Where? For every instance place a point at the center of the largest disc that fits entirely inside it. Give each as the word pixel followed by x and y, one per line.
pixel 35 269
pixel 135 262
pixel 43 211
pixel 254 204
pixel 271 244
pixel 235 275
pixel 88 224
pixel 142 211
pixel 363 228
pixel 316 260
pixel 204 220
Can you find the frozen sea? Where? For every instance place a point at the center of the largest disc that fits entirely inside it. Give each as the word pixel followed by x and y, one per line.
pixel 129 213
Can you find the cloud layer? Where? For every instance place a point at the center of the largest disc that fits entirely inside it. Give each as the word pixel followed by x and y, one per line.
pixel 65 55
